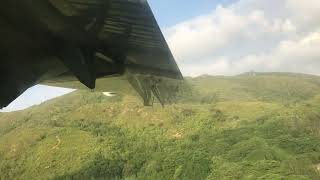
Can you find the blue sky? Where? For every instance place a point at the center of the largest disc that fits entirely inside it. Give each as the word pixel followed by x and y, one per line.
pixel 171 12
pixel 229 37
pixel 34 96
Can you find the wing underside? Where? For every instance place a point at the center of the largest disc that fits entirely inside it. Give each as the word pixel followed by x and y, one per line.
pixel 82 40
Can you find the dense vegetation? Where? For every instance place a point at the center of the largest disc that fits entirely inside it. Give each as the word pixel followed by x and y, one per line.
pixel 265 126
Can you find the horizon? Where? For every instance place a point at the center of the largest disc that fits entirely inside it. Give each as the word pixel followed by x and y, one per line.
pixel 20 105
pixel 258 72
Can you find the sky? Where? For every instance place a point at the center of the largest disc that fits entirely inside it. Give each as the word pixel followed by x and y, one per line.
pixel 171 12
pixel 229 37
pixel 245 35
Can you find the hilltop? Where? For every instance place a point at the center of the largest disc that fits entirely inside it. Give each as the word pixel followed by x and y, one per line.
pixel 223 127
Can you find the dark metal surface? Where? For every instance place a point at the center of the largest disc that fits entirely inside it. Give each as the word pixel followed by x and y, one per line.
pixel 50 41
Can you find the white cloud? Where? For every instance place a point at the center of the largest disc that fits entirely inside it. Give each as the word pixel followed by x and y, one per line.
pixel 261 35
pixel 201 36
pixel 306 13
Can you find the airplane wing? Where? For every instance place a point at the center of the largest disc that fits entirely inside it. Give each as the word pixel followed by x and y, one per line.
pixel 58 42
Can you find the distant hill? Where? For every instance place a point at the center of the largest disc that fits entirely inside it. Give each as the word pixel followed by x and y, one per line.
pixel 280 87
pixel 262 126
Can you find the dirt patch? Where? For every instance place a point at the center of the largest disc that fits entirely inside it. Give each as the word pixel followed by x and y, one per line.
pixel 13 148
pixel 58 143
pixel 177 135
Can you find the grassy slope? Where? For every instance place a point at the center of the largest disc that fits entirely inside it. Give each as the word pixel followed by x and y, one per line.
pixel 266 127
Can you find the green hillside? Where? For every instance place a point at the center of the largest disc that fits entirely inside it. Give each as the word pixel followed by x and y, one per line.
pixel 261 126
